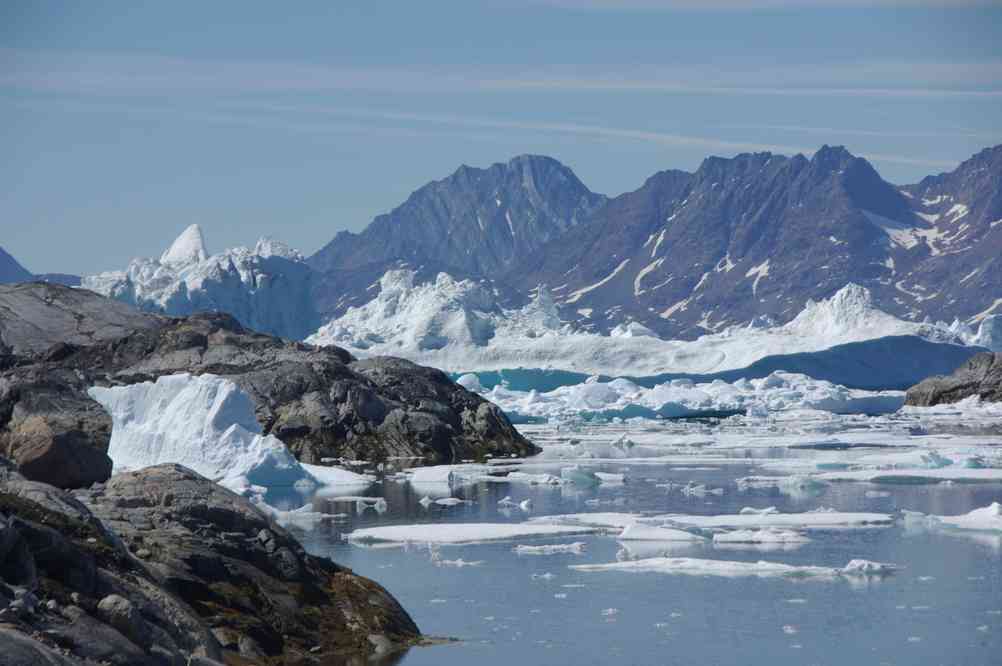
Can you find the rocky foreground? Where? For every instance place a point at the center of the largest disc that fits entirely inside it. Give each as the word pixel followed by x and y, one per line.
pixel 162 566
pixel 980 376
pixel 321 402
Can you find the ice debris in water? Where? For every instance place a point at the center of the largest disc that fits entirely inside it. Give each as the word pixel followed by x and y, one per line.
pixel 700 567
pixel 576 548
pixel 767 536
pixel 640 532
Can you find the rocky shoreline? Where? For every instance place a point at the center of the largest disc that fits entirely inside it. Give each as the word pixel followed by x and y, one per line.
pixel 161 565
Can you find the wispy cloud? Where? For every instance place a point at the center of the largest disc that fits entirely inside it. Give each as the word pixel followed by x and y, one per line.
pixel 743 5
pixel 310 119
pixel 131 74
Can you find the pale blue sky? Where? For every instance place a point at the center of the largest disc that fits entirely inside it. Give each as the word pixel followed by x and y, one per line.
pixel 121 124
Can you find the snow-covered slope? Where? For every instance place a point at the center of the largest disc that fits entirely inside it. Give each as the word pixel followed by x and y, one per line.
pixel 205 423
pixel 266 289
pixel 459 326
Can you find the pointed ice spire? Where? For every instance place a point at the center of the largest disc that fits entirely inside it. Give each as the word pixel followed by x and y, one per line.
pixel 188 248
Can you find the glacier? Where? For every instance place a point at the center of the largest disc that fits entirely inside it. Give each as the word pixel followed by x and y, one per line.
pixel 267 288
pixel 460 326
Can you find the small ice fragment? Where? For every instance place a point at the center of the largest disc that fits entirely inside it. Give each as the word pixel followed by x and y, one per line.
pixel 543 576
pixel 560 595
pixel 426 501
pixel 506 502
pixel 789 629
pixel 525 505
pixel 575 548
pixel 608 612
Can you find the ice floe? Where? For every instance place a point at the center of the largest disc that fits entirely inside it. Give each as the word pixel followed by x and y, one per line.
pixel 462 533
pixel 689 566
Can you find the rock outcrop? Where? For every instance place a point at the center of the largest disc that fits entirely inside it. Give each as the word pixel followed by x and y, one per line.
pixel 980 376
pixel 162 566
pixel 321 402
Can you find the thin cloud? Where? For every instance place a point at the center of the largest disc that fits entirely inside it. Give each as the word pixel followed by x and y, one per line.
pixel 142 75
pixel 744 5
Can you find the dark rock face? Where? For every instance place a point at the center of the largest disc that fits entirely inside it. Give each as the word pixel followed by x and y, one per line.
pixel 71 593
pixel 254 586
pixel 752 236
pixel 476 222
pixel 980 376
pixel 320 401
pixel 35 316
pixel 162 566
pixel 760 234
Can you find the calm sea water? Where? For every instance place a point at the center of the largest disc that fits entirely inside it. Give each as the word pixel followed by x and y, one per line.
pixel 943 607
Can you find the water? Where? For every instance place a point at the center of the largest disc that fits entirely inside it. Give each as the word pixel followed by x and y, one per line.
pixel 943 607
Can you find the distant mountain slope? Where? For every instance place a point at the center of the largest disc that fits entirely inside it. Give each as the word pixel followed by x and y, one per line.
pixel 759 235
pixel 474 223
pixel 11 271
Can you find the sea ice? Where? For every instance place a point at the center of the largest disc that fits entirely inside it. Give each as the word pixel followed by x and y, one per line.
pixel 461 533
pixel 700 567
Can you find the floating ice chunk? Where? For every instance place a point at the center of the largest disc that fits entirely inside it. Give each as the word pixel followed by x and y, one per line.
pixel 811 520
pixel 610 478
pixel 470 382
pixel 763 536
pixel 596 520
pixel 525 505
pixel 542 479
pixel 988 518
pixel 426 501
pixel 451 501
pixel 461 533
pixel 918 476
pixel 689 566
pixel 507 501
pixel 576 548
pixel 699 490
pixel 609 612
pixel 752 511
pixel 579 476
pixel 640 532
pixel 459 563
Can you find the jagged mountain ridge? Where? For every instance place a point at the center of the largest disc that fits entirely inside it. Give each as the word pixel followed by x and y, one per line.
pixel 473 223
pixel 753 236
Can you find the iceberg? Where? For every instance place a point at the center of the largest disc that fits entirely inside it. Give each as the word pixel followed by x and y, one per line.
pixel 206 423
pixel 266 288
pixel 779 391
pixel 461 326
pixel 639 532
pixel 987 519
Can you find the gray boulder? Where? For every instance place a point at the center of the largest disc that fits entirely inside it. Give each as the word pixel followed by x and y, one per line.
pixel 980 376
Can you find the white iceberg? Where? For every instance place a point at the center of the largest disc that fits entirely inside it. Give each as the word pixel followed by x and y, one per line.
pixel 205 423
pixel 641 532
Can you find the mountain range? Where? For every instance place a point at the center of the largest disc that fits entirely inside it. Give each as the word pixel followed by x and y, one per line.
pixel 750 237
pixel 747 239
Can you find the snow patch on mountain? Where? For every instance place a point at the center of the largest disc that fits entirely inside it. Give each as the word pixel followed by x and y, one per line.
pixel 266 289
pixel 458 326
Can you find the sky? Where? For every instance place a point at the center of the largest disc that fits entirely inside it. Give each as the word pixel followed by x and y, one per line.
pixel 122 123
